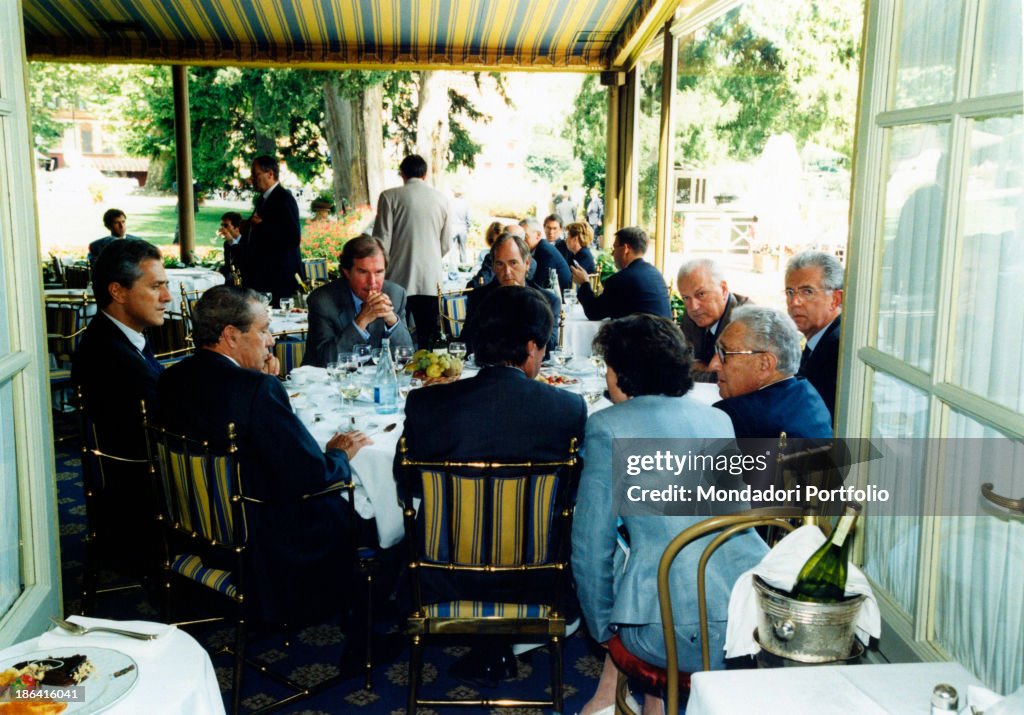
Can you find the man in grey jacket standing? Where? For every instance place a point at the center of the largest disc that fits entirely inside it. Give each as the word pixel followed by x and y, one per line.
pixel 412 223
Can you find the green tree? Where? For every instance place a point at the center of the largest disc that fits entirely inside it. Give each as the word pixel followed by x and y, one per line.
pixel 587 130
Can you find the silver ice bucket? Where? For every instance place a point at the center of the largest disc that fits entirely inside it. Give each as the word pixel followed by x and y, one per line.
pixel 804 631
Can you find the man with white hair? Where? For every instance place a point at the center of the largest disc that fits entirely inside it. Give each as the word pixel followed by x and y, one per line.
pixel 709 305
pixel 546 256
pixel 814 300
pixel 756 359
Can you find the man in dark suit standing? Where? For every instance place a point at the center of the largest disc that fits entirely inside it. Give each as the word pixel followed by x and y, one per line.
pixel 709 305
pixel 272 245
pixel 501 414
pixel 756 360
pixel 299 550
pixel 814 300
pixel 360 308
pixel 116 369
pixel 638 287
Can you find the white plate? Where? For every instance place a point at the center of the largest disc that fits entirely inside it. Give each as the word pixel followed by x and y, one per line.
pixel 102 689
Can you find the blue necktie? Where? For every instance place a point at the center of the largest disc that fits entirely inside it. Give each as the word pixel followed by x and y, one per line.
pixel 147 352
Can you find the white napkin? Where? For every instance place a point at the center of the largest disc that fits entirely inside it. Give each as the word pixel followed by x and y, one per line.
pixel 779 568
pixel 59 638
pixel 984 700
pixel 309 373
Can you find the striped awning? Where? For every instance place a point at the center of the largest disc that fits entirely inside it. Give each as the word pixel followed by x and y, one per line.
pixel 495 34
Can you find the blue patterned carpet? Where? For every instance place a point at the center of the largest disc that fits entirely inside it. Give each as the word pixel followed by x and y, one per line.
pixel 312 653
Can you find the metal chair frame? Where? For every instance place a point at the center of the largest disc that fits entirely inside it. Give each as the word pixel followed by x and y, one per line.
pixel 551 627
pixel 185 527
pixel 727 525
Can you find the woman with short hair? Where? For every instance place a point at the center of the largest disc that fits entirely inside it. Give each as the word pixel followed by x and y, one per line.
pixel 648 377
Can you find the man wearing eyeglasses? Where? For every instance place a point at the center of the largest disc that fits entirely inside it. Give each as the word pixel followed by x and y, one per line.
pixel 756 359
pixel 814 300
pixel 709 305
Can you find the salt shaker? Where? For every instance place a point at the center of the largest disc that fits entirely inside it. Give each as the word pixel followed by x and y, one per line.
pixel 944 700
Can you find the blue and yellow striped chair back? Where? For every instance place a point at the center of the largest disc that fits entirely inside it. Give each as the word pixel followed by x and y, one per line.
pixel 197 492
pixel 289 349
pixel 315 271
pixel 454 307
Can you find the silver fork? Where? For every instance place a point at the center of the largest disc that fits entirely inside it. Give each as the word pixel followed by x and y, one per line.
pixel 82 630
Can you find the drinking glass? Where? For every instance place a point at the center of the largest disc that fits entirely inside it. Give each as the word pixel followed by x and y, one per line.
pixel 403 356
pixel 348 362
pixel 266 298
pixel 286 304
pixel 350 389
pixel 593 391
pixel 599 367
pixel 333 370
pixel 561 357
pixel 457 350
pixel 374 355
pixel 569 297
pixel 362 353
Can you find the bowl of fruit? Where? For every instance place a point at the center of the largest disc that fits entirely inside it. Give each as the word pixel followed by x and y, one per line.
pixel 434 367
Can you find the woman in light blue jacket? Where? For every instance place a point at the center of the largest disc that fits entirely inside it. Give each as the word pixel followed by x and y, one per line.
pixel 648 376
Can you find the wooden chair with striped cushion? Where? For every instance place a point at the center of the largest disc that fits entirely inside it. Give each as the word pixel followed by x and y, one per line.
pixel 204 515
pixel 66 319
pixel 486 530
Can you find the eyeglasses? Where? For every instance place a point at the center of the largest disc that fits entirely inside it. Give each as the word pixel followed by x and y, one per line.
pixel 721 353
pixel 805 292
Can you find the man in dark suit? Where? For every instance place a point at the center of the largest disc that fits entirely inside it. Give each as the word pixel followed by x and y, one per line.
pixel 501 414
pixel 116 369
pixel 234 255
pixel 638 287
pixel 510 261
pixel 360 308
pixel 300 550
pixel 814 299
pixel 272 244
pixel 117 223
pixel 756 360
pixel 709 306
pixel 546 256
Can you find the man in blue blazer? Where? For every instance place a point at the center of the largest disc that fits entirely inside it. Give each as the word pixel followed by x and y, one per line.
pixel 359 308
pixel 502 414
pixel 546 256
pixel 300 550
pixel 272 234
pixel 115 368
pixel 814 300
pixel 756 359
pixel 117 223
pixel 638 287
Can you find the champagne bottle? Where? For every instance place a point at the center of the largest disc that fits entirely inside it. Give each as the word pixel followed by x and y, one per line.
pixel 439 343
pixel 823 576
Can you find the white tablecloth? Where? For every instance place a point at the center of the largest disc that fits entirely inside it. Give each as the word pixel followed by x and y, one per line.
pixel 862 689
pixel 288 322
pixel 175 677
pixel 578 332
pixel 189 279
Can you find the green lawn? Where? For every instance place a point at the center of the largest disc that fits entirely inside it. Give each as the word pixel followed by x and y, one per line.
pixel 157 224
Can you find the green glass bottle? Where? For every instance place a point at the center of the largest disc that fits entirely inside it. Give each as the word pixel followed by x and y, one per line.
pixel 823 577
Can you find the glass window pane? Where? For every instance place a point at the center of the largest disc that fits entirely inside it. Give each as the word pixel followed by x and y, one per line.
pixel 990 305
pixel 648 128
pixel 979 620
pixel 929 35
pixel 1000 65
pixel 891 542
pixel 912 242
pixel 10 550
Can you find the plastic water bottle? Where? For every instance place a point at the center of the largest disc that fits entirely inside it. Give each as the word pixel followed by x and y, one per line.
pixel 385 382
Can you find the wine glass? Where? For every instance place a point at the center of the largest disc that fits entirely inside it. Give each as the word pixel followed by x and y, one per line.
pixel 403 356
pixel 569 297
pixel 593 391
pixel 286 304
pixel 457 350
pixel 266 298
pixel 362 353
pixel 348 363
pixel 350 389
pixel 599 367
pixel 374 355
pixel 333 370
pixel 562 356
pixel 407 386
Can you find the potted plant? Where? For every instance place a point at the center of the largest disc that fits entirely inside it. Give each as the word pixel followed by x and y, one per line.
pixel 322 205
